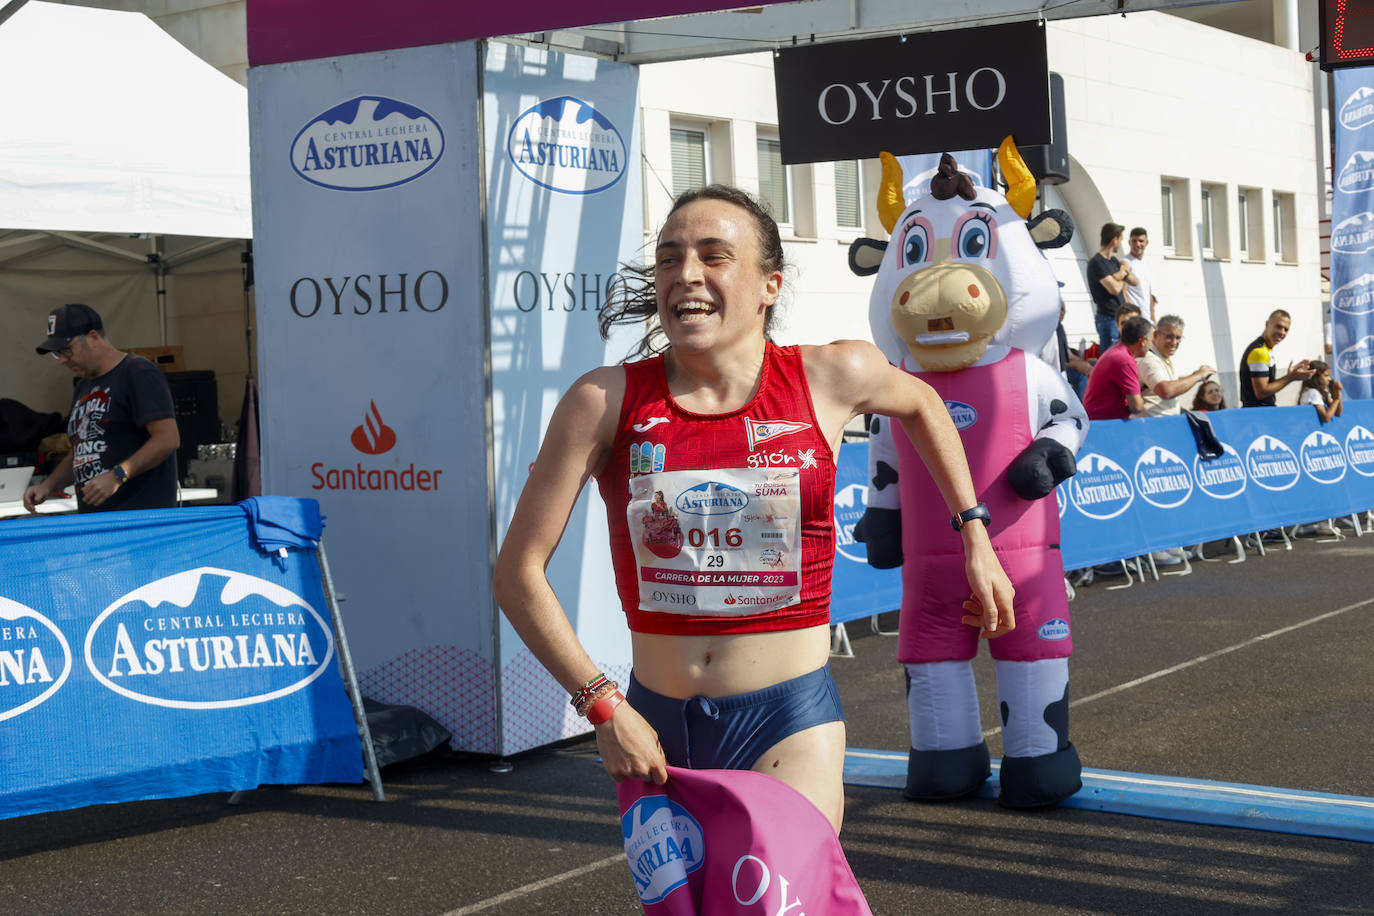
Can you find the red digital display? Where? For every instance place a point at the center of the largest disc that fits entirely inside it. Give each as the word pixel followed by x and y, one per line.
pixel 1347 28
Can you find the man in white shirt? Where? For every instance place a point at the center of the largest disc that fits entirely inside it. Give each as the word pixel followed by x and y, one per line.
pixel 1158 378
pixel 1141 292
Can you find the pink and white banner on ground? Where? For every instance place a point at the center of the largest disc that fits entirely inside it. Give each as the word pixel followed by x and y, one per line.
pixel 733 843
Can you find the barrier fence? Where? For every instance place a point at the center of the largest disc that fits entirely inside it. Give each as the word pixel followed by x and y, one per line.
pixel 158 654
pixel 1141 486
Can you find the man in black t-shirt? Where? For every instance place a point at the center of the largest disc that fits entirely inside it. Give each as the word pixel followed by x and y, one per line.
pixel 1107 281
pixel 122 427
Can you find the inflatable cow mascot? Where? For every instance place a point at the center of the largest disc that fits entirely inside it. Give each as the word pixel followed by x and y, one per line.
pixel 964 299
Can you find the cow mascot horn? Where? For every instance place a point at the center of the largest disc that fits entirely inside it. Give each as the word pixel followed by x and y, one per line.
pixel 964 298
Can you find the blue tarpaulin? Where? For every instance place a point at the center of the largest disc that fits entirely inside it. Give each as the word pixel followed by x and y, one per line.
pixel 159 653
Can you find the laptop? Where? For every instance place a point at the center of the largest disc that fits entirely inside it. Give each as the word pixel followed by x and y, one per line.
pixel 13 481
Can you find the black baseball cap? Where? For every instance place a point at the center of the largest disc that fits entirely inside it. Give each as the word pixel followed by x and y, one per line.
pixel 68 321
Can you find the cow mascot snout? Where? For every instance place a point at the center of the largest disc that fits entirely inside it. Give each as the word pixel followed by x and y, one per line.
pixel 964 298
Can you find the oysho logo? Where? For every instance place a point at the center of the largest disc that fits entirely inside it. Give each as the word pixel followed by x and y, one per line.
pixel 35 659
pixel 1358 110
pixel 1101 489
pixel 1222 477
pixel 1054 630
pixel 712 498
pixel 1162 478
pixel 1359 451
pixel 566 145
pixel 208 638
pixel 1323 459
pixel 366 144
pixel 373 437
pixel 1357 174
pixel 1358 358
pixel 963 415
pixel 1354 235
pixel 1355 297
pixel 1271 464
pixel 663 844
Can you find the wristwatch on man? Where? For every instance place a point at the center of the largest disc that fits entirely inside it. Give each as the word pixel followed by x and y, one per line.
pixel 121 476
pixel 968 515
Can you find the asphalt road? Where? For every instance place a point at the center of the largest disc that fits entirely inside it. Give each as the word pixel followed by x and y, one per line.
pixel 1261 673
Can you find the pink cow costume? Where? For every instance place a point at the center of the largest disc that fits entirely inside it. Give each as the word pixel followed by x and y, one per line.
pixel 964 299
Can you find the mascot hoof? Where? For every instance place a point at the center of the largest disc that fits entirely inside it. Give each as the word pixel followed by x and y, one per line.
pixel 1038 782
pixel 941 775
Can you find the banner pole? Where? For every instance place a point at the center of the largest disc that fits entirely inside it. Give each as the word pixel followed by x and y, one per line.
pixel 374 775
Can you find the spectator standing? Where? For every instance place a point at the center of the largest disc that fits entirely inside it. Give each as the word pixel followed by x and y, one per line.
pixel 122 427
pixel 1322 391
pixel 1258 382
pixel 1209 396
pixel 1140 293
pixel 1107 279
pixel 1160 381
pixel 1114 387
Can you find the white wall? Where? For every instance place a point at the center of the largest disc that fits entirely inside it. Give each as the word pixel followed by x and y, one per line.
pixel 1148 95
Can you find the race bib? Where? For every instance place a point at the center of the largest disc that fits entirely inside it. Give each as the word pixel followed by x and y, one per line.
pixel 724 541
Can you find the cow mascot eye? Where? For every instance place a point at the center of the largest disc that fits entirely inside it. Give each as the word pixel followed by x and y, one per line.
pixel 976 237
pixel 915 242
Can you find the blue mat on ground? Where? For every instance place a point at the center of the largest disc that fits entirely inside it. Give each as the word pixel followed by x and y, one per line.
pixel 1197 801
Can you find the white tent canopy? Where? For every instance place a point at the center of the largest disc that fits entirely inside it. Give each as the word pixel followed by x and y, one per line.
pixel 124 183
pixel 113 126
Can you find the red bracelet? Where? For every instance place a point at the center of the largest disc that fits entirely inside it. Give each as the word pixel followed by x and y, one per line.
pixel 602 710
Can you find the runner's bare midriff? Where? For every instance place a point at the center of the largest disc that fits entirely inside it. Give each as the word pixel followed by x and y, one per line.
pixel 713 666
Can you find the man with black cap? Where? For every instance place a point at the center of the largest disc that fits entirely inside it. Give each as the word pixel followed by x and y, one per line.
pixel 122 427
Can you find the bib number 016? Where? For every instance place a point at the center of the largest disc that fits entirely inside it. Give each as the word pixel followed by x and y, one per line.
pixel 701 537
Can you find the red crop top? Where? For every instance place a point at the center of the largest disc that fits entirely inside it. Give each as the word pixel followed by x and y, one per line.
pixel 721 523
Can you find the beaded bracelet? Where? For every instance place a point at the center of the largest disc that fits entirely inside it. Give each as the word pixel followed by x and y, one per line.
pixel 595 696
pixel 586 690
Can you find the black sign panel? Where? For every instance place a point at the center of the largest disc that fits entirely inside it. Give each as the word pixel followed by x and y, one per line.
pixel 929 93
pixel 1347 28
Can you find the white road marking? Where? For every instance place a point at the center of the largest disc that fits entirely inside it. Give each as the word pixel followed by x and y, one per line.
pixel 535 886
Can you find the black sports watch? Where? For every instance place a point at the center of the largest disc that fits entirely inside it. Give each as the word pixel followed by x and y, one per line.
pixel 968 515
pixel 120 475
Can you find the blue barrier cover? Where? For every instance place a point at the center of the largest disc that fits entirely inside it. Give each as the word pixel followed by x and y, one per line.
pixel 857 589
pixel 158 654
pixel 1141 485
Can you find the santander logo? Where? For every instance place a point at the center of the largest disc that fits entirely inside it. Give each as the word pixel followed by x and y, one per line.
pixel 373 437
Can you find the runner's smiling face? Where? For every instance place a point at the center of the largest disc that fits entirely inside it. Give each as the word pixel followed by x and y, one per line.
pixel 707 279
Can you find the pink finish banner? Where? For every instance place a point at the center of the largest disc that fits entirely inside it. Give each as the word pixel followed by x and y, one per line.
pixel 732 843
pixel 287 30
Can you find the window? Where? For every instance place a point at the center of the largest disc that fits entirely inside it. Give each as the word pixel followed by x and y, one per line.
pixel 1215 222
pixel 773 188
pixel 1205 223
pixel 689 152
pixel 1285 227
pixel 1175 217
pixel 849 198
pixel 1250 223
pixel 1166 215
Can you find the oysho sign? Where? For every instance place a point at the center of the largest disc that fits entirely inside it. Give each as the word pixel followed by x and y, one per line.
pixel 957 89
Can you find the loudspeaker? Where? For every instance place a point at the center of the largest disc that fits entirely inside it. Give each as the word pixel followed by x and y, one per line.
pixel 1050 164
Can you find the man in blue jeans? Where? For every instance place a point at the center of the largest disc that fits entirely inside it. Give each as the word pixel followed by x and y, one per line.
pixel 1108 278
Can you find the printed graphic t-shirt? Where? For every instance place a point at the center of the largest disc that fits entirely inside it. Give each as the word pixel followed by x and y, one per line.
pixel 1256 362
pixel 721 523
pixel 106 426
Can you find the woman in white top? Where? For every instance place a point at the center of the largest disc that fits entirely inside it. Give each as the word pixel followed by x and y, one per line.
pixel 1322 391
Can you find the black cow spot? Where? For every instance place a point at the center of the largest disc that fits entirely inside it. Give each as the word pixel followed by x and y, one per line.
pixel 875 426
pixel 1057 407
pixel 886 474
